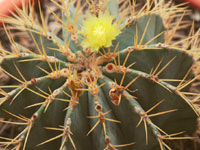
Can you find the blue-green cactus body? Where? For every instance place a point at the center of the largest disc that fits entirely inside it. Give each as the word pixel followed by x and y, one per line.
pixel 98 101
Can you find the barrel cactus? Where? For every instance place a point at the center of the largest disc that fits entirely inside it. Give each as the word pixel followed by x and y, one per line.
pixel 113 81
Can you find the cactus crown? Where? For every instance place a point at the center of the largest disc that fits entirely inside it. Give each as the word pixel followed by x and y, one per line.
pixel 114 80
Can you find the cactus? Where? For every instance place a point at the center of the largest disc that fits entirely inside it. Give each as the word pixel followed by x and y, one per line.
pixel 114 81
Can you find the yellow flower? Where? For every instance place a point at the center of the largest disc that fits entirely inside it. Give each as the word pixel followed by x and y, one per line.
pixel 99 31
